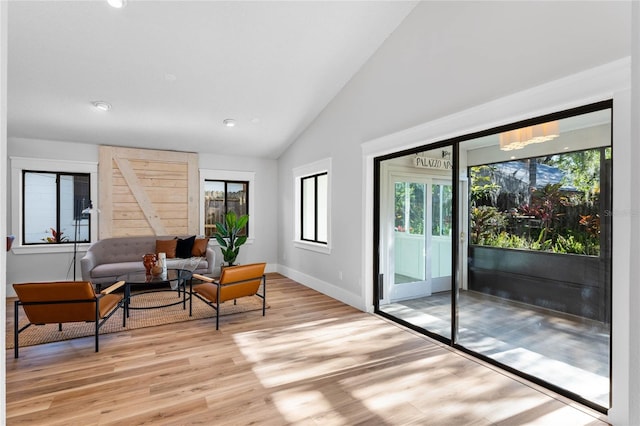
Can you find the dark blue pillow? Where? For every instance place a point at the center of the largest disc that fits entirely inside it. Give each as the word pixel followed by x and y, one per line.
pixel 184 246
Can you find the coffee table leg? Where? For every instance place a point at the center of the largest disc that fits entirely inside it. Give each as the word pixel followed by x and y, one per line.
pixel 190 296
pixel 184 294
pixel 127 296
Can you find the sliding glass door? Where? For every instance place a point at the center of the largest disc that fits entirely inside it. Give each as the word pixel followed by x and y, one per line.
pixel 416 229
pixel 500 245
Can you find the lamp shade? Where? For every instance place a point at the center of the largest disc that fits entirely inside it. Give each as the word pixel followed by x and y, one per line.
pixel 519 138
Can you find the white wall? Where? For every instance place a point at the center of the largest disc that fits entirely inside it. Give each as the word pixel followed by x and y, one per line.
pixel 444 59
pixel 56 266
pixel 3 189
pixel 632 387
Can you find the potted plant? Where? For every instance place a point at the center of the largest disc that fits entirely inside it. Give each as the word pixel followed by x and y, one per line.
pixel 228 236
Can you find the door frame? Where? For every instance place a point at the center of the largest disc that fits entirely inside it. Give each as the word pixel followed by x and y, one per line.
pixel 384 174
pixel 418 288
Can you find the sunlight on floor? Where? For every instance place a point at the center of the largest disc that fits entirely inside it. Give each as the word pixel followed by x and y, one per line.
pixel 321 372
pixel 298 404
pixel 566 351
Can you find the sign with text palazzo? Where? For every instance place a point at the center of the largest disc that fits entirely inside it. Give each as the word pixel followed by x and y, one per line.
pixel 433 163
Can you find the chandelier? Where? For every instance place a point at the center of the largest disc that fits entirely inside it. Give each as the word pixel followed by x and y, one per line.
pixel 519 138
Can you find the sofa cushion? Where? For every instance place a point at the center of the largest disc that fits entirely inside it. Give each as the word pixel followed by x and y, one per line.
pixel 113 270
pixel 184 246
pixel 178 263
pixel 199 248
pixel 167 246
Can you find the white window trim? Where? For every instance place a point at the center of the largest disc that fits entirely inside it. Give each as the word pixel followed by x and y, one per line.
pixel 18 164
pixel 206 174
pixel 320 166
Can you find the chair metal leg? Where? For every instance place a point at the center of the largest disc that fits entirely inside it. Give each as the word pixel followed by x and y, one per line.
pixel 218 307
pixel 264 294
pixel 15 329
pixel 97 322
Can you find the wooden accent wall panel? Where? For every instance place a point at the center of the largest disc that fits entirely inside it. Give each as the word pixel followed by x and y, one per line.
pixel 147 192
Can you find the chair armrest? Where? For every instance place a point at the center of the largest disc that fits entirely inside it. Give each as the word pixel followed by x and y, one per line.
pixel 203 278
pixel 112 287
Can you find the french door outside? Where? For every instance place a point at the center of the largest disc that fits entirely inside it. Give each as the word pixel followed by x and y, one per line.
pixel 419 251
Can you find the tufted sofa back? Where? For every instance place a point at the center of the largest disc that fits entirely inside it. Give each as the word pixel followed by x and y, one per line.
pixel 124 249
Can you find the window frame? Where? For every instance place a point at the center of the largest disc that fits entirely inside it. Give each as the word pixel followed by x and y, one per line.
pixel 317 168
pixel 76 208
pixel 22 164
pixel 230 176
pixel 226 182
pixel 303 228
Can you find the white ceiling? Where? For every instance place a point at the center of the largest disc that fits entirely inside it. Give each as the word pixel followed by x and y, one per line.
pixel 174 70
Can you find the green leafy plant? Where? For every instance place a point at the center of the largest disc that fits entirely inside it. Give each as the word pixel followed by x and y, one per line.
pixel 506 240
pixel 486 222
pixel 56 237
pixel 560 216
pixel 570 244
pixel 228 236
pixel 483 187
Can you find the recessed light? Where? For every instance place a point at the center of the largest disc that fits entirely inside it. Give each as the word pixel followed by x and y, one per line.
pixel 118 4
pixel 513 157
pixel 101 105
pixel 229 122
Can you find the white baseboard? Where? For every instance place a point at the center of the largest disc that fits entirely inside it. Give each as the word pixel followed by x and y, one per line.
pixel 323 287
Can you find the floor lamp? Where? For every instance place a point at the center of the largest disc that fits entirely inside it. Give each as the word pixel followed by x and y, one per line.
pixel 85 211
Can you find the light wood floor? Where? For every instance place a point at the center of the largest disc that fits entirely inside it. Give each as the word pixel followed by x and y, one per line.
pixel 310 361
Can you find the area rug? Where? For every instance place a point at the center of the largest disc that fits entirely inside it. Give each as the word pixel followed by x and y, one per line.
pixel 138 318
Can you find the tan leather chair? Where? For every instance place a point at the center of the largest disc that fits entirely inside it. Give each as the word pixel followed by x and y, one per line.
pixel 64 301
pixel 234 283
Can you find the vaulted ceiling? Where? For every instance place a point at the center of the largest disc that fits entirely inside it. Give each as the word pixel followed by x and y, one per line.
pixel 173 71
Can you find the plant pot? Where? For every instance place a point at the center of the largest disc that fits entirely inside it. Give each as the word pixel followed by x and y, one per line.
pixel 224 266
pixel 570 283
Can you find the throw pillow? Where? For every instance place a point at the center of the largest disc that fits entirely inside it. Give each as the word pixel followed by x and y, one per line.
pixel 200 247
pixel 184 246
pixel 167 246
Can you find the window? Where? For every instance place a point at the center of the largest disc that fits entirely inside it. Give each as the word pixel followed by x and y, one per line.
pixel 409 207
pixel 49 194
pixel 222 197
pixel 313 206
pixel 236 182
pixel 441 197
pixel 53 205
pixel 554 205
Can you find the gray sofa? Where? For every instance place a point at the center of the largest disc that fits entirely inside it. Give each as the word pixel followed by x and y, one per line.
pixel 109 258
